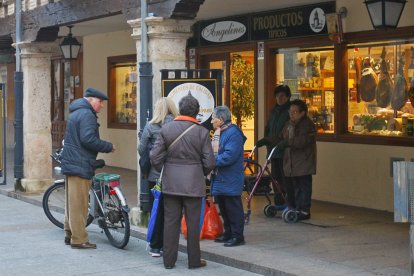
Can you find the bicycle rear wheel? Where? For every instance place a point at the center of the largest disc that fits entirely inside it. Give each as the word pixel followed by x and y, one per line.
pixel 115 222
pixel 54 204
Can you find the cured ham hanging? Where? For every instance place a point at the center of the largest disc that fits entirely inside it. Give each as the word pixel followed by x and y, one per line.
pixel 385 86
pixel 369 81
pixel 399 95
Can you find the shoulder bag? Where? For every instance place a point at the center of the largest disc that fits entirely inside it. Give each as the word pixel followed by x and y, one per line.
pixel 158 183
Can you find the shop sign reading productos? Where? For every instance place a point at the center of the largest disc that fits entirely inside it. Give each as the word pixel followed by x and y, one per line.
pixel 291 22
pixel 300 21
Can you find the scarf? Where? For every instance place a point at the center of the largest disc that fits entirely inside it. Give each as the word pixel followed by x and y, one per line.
pixel 215 141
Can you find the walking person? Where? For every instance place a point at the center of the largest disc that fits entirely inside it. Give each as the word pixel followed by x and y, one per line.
pixel 164 112
pixel 228 176
pixel 81 146
pixel 184 164
pixel 299 160
pixel 277 120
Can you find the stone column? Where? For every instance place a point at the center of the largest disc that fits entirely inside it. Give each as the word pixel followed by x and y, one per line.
pixel 167 39
pixel 37 140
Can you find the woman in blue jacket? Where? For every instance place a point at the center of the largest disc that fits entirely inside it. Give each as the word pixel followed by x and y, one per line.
pixel 228 177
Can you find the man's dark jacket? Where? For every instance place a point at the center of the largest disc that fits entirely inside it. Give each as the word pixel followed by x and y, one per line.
pixel 277 120
pixel 82 142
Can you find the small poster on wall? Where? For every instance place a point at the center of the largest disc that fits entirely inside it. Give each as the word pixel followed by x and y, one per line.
pixel 204 90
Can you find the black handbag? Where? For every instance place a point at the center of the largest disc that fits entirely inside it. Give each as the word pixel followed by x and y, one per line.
pixel 144 162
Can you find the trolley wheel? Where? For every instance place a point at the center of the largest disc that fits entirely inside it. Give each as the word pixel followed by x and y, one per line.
pixel 246 219
pixel 284 212
pixel 270 211
pixel 291 216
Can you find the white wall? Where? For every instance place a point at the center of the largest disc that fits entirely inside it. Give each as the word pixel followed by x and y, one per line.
pixel 96 49
pixel 356 174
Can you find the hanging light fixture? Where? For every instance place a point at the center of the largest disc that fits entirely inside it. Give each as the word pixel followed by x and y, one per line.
pixel 385 14
pixel 70 46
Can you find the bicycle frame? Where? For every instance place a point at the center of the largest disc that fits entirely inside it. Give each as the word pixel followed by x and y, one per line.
pixel 96 200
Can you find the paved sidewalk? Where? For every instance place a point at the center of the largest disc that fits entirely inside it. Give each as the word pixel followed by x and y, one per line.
pixel 31 245
pixel 338 240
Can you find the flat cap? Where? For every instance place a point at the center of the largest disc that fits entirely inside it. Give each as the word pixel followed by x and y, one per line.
pixel 92 92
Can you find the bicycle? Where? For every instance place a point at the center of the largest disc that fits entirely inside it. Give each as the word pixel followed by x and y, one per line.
pixel 107 204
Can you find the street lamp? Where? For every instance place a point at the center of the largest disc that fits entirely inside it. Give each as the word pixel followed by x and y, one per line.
pixel 70 46
pixel 385 14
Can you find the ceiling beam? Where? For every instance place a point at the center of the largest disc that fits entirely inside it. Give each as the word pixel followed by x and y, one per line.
pixel 45 19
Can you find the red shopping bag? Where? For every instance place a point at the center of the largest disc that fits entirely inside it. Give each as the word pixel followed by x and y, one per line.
pixel 202 215
pixel 212 226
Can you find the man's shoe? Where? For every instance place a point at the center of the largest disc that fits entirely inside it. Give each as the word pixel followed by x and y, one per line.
pixel 222 239
pixel 154 252
pixel 67 240
pixel 169 266
pixel 203 263
pixel 302 215
pixel 234 242
pixel 86 245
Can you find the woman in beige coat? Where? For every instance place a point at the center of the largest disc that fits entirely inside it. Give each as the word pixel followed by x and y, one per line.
pixel 184 166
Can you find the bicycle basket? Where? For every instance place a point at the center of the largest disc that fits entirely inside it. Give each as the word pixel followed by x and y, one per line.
pixel 111 179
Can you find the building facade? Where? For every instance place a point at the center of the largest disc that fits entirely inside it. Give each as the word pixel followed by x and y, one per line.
pixel 361 130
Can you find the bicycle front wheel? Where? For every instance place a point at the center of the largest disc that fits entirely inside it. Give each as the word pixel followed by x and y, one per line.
pixel 115 222
pixel 54 203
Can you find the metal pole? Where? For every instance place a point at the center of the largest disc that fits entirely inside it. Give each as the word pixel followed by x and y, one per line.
pixel 4 136
pixel 4 144
pixel 412 248
pixel 145 104
pixel 18 100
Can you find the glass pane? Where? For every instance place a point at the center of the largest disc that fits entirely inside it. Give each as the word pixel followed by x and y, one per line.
pixel 242 93
pixel 309 73
pixel 126 95
pixel 220 64
pixel 380 87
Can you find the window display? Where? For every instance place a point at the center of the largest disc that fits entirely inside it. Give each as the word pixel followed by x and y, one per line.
pixel 310 75
pixel 381 88
pixel 122 73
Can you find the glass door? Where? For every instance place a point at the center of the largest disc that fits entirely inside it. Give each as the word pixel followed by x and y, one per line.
pixel 238 88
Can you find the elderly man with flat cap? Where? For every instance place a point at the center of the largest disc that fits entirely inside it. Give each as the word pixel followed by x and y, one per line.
pixel 82 145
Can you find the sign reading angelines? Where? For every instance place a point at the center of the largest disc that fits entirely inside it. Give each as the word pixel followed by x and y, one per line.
pixel 232 30
pixel 278 24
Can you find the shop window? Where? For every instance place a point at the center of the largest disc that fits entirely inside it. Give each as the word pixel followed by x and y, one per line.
pixel 381 88
pixel 309 73
pixel 122 90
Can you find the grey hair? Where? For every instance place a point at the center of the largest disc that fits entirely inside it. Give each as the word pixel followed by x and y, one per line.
pixel 222 112
pixel 189 106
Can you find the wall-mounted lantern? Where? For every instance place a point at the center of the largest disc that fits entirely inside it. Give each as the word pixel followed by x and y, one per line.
pixel 385 14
